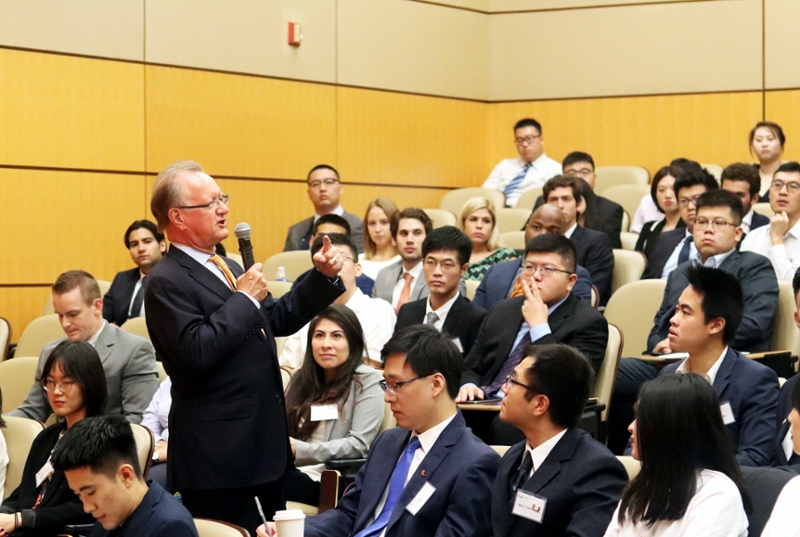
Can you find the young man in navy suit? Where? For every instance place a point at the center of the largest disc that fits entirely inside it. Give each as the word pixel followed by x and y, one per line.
pixel 98 457
pixel 559 480
pixel 428 476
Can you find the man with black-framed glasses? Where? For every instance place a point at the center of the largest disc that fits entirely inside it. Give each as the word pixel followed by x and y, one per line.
pixel 546 313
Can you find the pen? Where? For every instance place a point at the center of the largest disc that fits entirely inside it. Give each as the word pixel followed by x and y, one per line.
pixel 263 518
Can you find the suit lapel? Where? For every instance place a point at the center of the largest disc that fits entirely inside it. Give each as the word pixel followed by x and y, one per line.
pixel 562 313
pixel 200 274
pixel 453 318
pixel 380 473
pixel 513 322
pixel 731 261
pixel 509 466
pixel 513 280
pixel 723 376
pixel 105 342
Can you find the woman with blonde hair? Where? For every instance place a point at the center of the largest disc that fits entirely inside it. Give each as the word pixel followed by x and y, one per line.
pixel 479 223
pixel 380 249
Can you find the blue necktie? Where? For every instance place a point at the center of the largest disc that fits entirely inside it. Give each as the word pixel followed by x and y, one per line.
pixel 396 486
pixel 687 246
pixel 512 186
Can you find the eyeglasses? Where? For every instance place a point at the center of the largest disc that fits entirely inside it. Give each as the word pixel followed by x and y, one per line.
pixel 222 200
pixel 583 172
pixel 447 264
pixel 512 379
pixel 65 385
pixel 716 225
pixel 544 271
pixel 394 387
pixel 685 202
pixel 348 258
pixel 791 186
pixel 527 140
pixel 330 181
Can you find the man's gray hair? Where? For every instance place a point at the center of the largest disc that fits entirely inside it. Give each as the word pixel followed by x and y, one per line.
pixel 166 192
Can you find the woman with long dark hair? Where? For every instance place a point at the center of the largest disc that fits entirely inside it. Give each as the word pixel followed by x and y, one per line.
pixel 334 403
pixel 663 195
pixel 690 483
pixel 43 504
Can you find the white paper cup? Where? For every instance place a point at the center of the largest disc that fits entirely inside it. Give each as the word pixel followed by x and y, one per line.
pixel 290 523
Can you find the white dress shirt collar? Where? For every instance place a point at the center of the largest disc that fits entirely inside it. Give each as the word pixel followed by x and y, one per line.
pixel 442 312
pixel 712 372
pixel 339 211
pixel 540 452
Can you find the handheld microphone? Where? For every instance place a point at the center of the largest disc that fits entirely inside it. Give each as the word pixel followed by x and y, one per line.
pixel 242 231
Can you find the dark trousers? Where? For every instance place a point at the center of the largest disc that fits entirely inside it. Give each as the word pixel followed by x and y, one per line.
pixel 237 506
pixel 298 487
pixel 632 373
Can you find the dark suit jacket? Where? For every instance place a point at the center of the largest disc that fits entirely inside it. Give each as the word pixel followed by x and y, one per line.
pixel 499 281
pixel 459 465
pixel 226 384
pixel 602 215
pixel 663 247
pixel 752 391
pixel 573 323
pixel 760 290
pixel 363 282
pixel 299 233
pixel 758 220
pixel 117 300
pixel 159 515
pixel 784 408
pixel 462 322
pixel 580 479
pixel 596 255
pixel 59 506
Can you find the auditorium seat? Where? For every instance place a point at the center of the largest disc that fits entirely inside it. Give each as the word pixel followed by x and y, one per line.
pixel 713 169
pixel 5 337
pixel 16 378
pixel 632 466
pixel 295 263
pixel 216 528
pixel 627 195
pixel 144 446
pixel 19 434
pixel 441 217
pixel 632 308
pixel 608 176
pixel 278 289
pixel 136 326
pixel 472 287
pixel 785 334
pixel 628 267
pixel 764 208
pixel 513 239
pixel 454 200
pixel 628 239
pixel 512 219
pixel 528 199
pixel 604 383
pixel 37 334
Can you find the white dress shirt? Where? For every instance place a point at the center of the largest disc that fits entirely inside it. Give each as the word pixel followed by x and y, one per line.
pixel 785 258
pixel 372 268
pixel 672 261
pixel 542 169
pixel 715 510
pixel 377 319
pixel 785 518
pixel 442 312
pixel 156 416
pixel 540 452
pixel 133 297
pixel 712 372
pixel 646 212
pixel 203 259
pixel 747 221
pixel 416 273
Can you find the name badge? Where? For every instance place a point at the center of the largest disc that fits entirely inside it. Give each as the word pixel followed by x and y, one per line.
pixel 529 506
pixel 457 341
pixel 421 498
pixel 324 412
pixel 44 473
pixel 727 413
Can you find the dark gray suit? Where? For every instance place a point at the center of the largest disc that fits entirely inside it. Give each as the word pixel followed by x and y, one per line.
pixel 299 233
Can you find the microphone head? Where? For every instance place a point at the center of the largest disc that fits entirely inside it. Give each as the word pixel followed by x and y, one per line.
pixel 242 230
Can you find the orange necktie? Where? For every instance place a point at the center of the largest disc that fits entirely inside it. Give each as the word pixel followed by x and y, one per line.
pixel 217 260
pixel 406 292
pixel 517 290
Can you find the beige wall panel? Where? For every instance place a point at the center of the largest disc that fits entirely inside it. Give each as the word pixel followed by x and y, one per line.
pixel 783 107
pixel 239 125
pixel 57 221
pixel 63 111
pixel 522 5
pixel 641 131
pixel 248 36
pixel 90 27
pixel 479 5
pixel 627 51
pixel 21 305
pixel 782 52
pixel 404 139
pixel 408 46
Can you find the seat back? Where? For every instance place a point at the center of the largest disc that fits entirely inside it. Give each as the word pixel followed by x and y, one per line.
pixel 632 308
pixel 632 466
pixel 528 199
pixel 37 334
pixel 764 208
pixel 441 217
pixel 162 373
pixel 144 446
pixel 286 376
pixel 628 267
pixel 19 434
pixel 48 305
pixel 501 450
pixel 764 486
pixel 454 200
pixel 512 219
pixel 472 287
pixel 216 528
pixel 5 337
pixel 608 176
pixel 136 326
pixel 627 195
pixel 604 382
pixel 235 257
pixel 295 263
pixel 16 377
pixel 785 334
pixel 628 240
pixel 713 169
pixel 278 289
pixel 513 239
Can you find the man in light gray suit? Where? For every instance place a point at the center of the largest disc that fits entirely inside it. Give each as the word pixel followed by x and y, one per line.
pixel 128 361
pixel 403 282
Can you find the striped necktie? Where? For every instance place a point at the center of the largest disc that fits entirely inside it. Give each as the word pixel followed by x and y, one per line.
pixel 512 186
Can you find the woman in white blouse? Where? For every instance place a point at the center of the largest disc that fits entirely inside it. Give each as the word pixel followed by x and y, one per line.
pixel 690 484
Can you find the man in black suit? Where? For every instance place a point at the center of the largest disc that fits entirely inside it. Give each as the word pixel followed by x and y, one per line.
pixel 547 313
pixel 785 452
pixel 744 181
pixel 676 246
pixel 593 248
pixel 445 259
pixel 125 298
pixel 214 326
pixel 559 481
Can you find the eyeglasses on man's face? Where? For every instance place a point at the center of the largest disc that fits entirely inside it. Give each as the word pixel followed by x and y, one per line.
pixel 222 200
pixel 394 387
pixel 546 270
pixel 717 224
pixel 317 183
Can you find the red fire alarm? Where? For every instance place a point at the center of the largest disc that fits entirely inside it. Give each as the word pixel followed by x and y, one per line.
pixel 294 34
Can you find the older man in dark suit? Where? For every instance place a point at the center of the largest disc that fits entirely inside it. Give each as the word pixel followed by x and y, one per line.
pixel 214 327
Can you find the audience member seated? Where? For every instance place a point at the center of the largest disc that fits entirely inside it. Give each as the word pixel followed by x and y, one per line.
pixel 402 281
pixel 125 298
pixel 445 255
pixel 376 316
pixel 503 279
pixel 675 247
pixel 532 169
pixel 744 181
pixel 785 518
pixel 559 480
pixel 129 361
pixel 689 483
pixel 780 240
pixel 99 459
pixel 593 248
pixel 662 193
pixel 73 379
pixel 3 451
pixel 787 453
pixel 379 248
pixel 156 418
pixel 324 190
pixel 428 476
pixel 766 144
pixel 647 210
pixel 547 313
pixel 479 222
pixel 334 404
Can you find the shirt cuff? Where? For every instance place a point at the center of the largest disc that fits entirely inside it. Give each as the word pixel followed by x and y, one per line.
pixel 539 331
pixel 253 300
